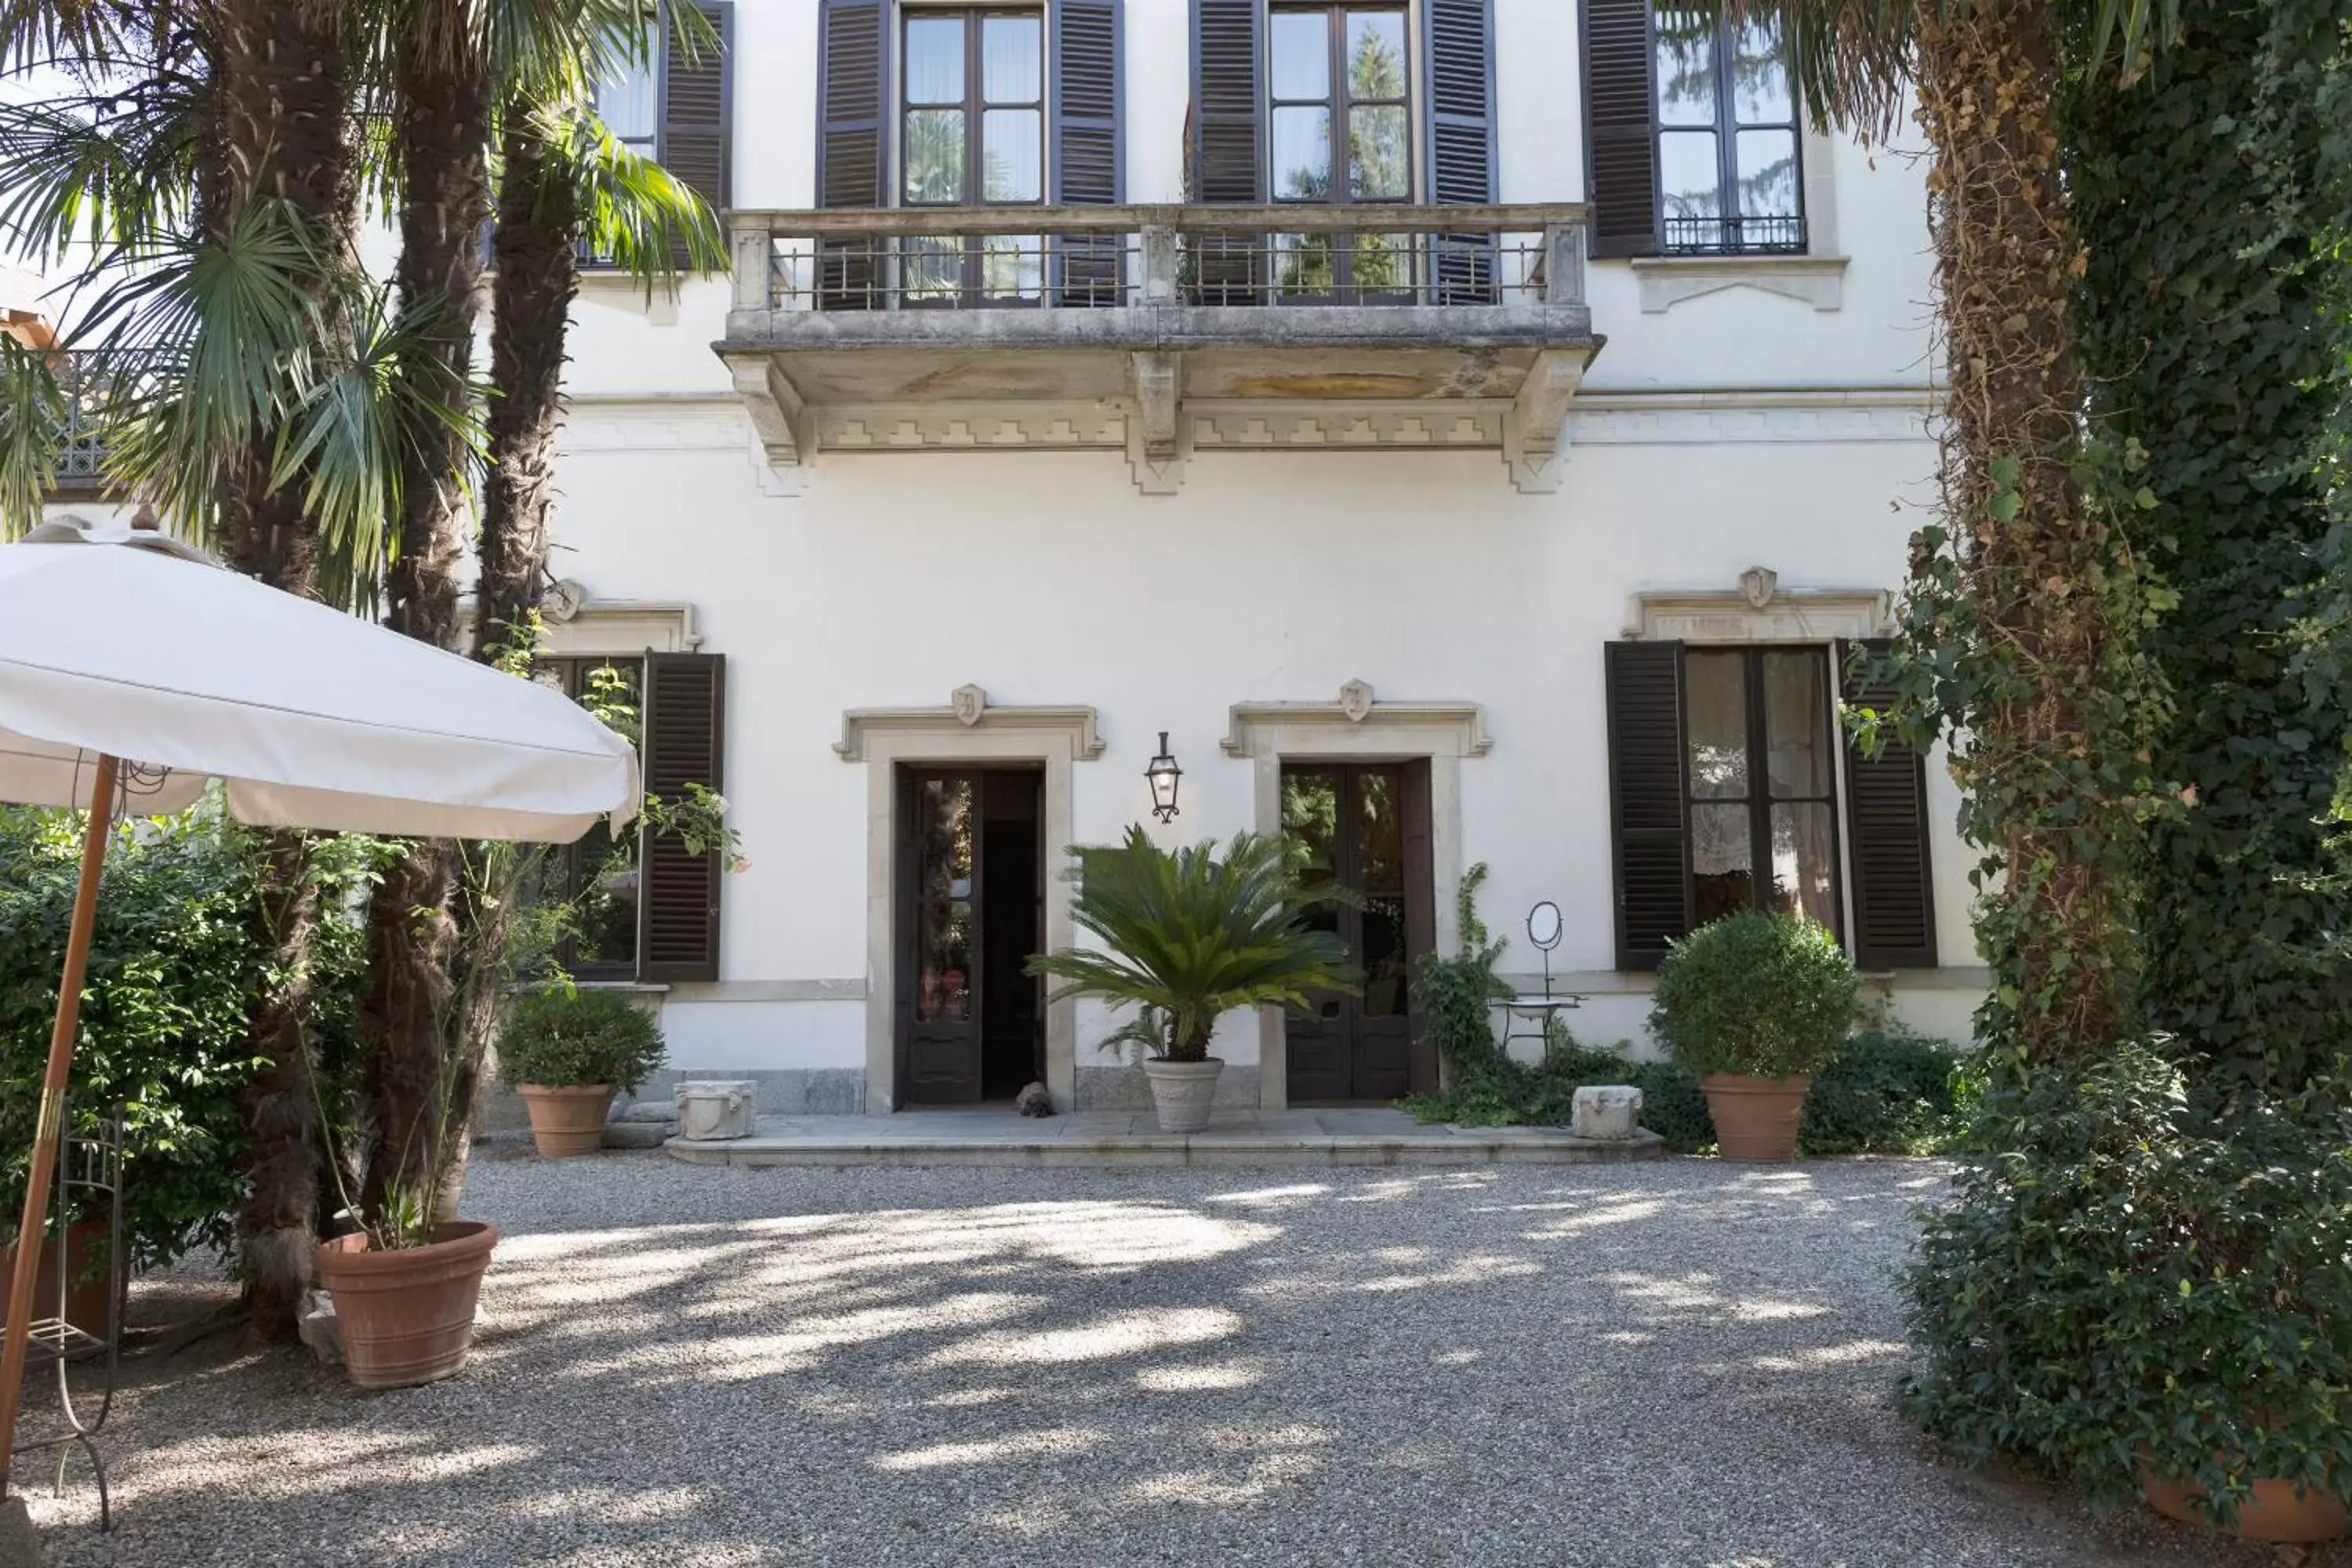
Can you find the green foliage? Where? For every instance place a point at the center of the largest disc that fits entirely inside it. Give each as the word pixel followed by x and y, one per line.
pixel 1187 936
pixel 1487 1088
pixel 174 964
pixel 1766 994
pixel 2121 1286
pixel 563 1037
pixel 1886 1091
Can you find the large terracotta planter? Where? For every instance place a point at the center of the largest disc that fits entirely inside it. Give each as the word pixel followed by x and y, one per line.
pixel 2274 1513
pixel 1182 1092
pixel 85 1277
pixel 1755 1118
pixel 567 1119
pixel 406 1317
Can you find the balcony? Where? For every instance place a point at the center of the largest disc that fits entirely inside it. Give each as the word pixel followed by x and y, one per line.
pixel 84 376
pixel 1161 330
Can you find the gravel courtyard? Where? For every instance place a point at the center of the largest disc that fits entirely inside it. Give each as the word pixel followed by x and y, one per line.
pixel 1675 1363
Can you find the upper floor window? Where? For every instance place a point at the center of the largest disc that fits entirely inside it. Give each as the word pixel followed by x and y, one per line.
pixel 1727 132
pixel 972 116
pixel 1340 104
pixel 628 100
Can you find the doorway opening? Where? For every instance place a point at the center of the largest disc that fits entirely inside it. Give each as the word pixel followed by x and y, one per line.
pixel 971 913
pixel 1366 826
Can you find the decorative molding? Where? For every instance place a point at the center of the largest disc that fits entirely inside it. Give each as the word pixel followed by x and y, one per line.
pixel 1738 418
pixel 956 427
pixel 969 709
pixel 1258 426
pixel 1668 281
pixel 614 628
pixel 779 416
pixel 630 424
pixel 1758 611
pixel 1449 728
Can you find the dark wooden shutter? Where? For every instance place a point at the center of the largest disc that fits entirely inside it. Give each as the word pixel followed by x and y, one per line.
pixel 1458 41
pixel 1417 814
pixel 685 742
pixel 1228 151
pixel 851 141
pixel 1648 816
pixel 1886 820
pixel 1089 151
pixel 697 105
pixel 1622 179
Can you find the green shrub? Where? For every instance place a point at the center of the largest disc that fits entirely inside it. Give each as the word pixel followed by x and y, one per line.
pixel 1886 1091
pixel 1672 1105
pixel 175 965
pixel 2128 1281
pixel 563 1037
pixel 1760 993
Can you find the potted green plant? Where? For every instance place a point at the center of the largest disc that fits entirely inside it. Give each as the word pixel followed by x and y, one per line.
pixel 1753 1004
pixel 567 1051
pixel 1185 938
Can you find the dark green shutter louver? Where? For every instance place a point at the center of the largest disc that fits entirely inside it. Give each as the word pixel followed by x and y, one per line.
pixel 685 742
pixel 1648 814
pixel 1886 827
pixel 1089 151
pixel 697 105
pixel 1622 178
pixel 1458 42
pixel 1228 142
pixel 853 141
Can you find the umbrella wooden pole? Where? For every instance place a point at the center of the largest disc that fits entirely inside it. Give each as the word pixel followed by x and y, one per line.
pixel 46 1140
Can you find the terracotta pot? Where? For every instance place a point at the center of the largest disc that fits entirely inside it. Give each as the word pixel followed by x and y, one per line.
pixel 1755 1118
pixel 406 1317
pixel 1182 1092
pixel 2272 1514
pixel 85 1277
pixel 567 1119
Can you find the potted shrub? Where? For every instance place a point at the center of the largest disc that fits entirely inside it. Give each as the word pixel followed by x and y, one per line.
pixel 567 1052
pixel 1753 1004
pixel 1186 938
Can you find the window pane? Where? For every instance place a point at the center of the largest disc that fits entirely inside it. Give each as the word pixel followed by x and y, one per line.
pixel 1689 177
pixel 1303 264
pixel 625 102
pixel 1382 262
pixel 1013 156
pixel 1716 698
pixel 607 933
pixel 1310 816
pixel 1013 266
pixel 1686 65
pixel 1378 166
pixel 1302 155
pixel 935 60
pixel 933 268
pixel 1376 54
pixel 1383 834
pixel 943 891
pixel 1010 60
pixel 1302 54
pixel 1383 959
pixel 1759 73
pixel 1796 723
pixel 934 151
pixel 1767 176
pixel 1723 850
pixel 1803 858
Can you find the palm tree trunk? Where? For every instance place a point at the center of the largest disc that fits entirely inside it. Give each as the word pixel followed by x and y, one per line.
pixel 2006 256
pixel 442 91
pixel 277 124
pixel 536 250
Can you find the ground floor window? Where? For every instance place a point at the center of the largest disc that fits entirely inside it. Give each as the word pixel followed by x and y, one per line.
pixel 600 877
pixel 1763 783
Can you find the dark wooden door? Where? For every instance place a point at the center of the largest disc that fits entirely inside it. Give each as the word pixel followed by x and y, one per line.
pixel 939 1002
pixel 1365 826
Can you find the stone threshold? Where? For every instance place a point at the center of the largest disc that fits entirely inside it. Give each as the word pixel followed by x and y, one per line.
pixel 1286 1139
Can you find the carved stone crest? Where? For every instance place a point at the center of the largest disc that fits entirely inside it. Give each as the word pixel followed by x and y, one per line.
pixel 1355 701
pixel 1759 583
pixel 969 702
pixel 562 601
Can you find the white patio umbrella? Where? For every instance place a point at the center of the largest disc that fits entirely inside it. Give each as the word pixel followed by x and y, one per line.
pixel 134 671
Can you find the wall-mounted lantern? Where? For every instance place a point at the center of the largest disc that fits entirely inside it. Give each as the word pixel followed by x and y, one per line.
pixel 1163 776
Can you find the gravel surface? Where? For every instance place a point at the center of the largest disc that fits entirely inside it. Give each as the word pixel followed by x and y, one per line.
pixel 1674 1364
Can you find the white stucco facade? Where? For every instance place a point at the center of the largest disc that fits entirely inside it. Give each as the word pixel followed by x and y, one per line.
pixel 1741 415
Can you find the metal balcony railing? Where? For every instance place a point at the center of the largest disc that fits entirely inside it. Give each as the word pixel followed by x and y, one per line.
pixel 1200 257
pixel 85 375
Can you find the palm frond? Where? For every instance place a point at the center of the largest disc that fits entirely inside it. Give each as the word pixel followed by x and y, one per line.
pixel 97 170
pixel 1190 936
pixel 32 416
pixel 634 212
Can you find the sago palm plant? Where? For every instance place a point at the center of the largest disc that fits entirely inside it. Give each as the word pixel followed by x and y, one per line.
pixel 1187 936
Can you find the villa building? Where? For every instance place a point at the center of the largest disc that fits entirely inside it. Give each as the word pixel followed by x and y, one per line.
pixel 1457 432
